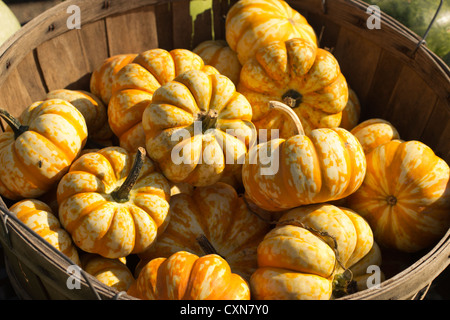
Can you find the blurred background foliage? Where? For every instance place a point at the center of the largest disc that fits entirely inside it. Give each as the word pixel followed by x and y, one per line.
pixel 417 15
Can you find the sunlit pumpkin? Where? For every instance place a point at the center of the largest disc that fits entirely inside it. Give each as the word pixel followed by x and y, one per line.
pixel 111 272
pixel 186 276
pixel 91 107
pixel 198 128
pixel 40 218
pixel 306 78
pixel 102 77
pixel 218 54
pixel 133 86
pixel 113 202
pixel 351 112
pixel 309 249
pixel 251 24
pixel 219 214
pixel 37 149
pixel 405 195
pixel 282 174
pixel 374 132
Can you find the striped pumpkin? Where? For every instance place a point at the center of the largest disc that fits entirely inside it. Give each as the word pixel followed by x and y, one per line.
pixel 186 276
pixel 219 214
pixel 405 195
pixel 374 132
pixel 251 24
pixel 327 165
pixel 306 252
pixel 40 218
pixel 37 149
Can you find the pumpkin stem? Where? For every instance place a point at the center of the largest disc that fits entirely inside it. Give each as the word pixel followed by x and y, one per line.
pixel 391 200
pixel 291 113
pixel 208 119
pixel 15 125
pixel 206 245
pixel 292 98
pixel 122 193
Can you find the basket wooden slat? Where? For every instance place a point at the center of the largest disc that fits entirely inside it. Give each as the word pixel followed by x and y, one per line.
pixel 164 25
pixel 394 79
pixel 132 32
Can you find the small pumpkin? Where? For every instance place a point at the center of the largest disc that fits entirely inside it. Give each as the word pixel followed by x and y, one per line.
pixel 374 132
pixel 309 249
pixel 306 78
pixel 405 195
pixel 222 217
pixel 39 217
pixel 186 276
pixel 198 128
pixel 102 77
pixel 282 174
pixel 251 24
pixel 113 202
pixel 133 87
pixel 351 112
pixel 91 107
pixel 218 54
pixel 367 272
pixel 114 273
pixel 38 147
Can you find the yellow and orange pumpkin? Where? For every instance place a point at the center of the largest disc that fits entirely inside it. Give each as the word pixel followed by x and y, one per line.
pixel 38 147
pixel 297 73
pixel 220 215
pixel 112 272
pixel 405 195
pixel 198 128
pixel 351 112
pixel 374 132
pixel 91 107
pixel 251 24
pixel 218 54
pixel 101 81
pixel 133 87
pixel 282 174
pixel 113 202
pixel 186 276
pixel 40 218
pixel 306 252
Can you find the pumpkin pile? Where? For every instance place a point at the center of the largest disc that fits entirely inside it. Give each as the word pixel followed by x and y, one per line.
pixel 238 170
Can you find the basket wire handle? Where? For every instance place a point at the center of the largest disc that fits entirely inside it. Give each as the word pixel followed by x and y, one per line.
pixel 423 40
pixel 324 6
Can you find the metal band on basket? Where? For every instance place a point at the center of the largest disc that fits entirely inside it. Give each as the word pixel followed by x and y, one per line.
pixel 423 40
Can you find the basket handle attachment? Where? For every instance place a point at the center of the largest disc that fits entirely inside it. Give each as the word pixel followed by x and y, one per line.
pixel 423 40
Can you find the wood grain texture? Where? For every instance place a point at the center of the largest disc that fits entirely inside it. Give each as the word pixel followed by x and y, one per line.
pixel 132 32
pixel 23 87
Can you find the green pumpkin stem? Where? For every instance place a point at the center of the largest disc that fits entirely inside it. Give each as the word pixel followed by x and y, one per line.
pixel 277 105
pixel 122 194
pixel 15 125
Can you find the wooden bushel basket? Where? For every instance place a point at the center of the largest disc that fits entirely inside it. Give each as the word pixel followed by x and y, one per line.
pixel 395 76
